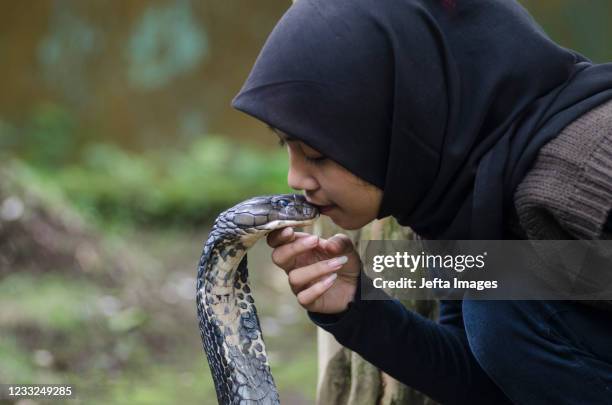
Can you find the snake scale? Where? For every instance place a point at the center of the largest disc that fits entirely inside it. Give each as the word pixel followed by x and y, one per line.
pixel 229 326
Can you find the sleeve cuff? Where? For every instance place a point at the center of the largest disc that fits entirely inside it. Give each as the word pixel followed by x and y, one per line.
pixel 324 320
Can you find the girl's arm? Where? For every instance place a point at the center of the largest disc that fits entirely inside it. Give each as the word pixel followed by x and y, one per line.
pixel 432 357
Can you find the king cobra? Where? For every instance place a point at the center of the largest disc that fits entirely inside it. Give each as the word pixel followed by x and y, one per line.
pixel 229 326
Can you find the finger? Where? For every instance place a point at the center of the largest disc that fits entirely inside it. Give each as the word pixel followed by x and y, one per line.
pixel 280 236
pixel 299 279
pixel 284 235
pixel 284 255
pixel 339 244
pixel 308 296
pixel 301 234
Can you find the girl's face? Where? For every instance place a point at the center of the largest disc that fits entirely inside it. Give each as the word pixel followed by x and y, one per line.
pixel 347 199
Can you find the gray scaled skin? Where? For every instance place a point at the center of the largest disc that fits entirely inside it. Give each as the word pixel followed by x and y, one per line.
pixel 229 325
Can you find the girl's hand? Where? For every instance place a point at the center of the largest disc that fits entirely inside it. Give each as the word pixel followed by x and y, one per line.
pixel 320 283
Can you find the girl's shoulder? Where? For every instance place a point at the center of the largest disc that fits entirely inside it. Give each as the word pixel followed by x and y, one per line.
pixel 567 193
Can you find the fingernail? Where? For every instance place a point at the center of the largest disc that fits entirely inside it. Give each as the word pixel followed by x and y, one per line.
pixel 286 232
pixel 330 279
pixel 338 261
pixel 311 240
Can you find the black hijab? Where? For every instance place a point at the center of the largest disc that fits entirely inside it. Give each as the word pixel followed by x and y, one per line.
pixel 443 104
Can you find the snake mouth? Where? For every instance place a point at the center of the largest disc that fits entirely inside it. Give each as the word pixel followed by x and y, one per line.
pixel 282 223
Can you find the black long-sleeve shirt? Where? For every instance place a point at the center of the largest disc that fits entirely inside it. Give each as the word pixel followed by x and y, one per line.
pixel 432 357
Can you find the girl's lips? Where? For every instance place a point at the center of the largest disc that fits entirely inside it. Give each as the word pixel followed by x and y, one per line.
pixel 326 208
pixel 321 208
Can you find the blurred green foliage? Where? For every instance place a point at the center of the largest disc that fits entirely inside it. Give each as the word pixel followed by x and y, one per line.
pixel 185 184
pixel 24 303
pixel 48 137
pixel 579 25
pixel 188 186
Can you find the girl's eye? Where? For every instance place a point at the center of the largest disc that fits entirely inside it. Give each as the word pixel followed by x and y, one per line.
pixel 316 160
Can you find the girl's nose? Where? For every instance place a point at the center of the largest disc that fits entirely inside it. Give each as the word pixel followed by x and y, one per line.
pixel 298 178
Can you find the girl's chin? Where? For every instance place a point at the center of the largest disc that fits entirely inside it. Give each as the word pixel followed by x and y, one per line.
pixel 340 221
pixel 327 209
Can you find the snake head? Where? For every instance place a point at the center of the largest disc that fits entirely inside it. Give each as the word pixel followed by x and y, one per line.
pixel 292 207
pixel 274 211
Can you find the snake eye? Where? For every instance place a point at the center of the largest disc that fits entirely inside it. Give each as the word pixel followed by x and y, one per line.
pixel 284 203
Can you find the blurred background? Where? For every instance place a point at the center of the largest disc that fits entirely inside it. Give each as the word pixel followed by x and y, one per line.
pixel 118 147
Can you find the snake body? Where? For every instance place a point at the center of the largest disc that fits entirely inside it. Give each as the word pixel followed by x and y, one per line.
pixel 229 326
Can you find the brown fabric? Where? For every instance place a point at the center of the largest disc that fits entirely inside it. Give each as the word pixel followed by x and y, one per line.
pixel 567 194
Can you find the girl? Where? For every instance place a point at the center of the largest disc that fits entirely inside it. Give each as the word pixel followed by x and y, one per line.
pixel 462 120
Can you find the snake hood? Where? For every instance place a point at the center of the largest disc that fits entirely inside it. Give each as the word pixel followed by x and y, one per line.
pixel 229 326
pixel 442 104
